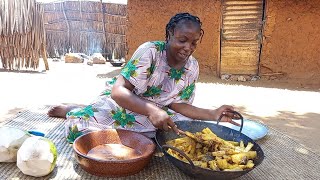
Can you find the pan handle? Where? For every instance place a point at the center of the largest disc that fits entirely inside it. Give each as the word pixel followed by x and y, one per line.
pixel 234 112
pixel 166 146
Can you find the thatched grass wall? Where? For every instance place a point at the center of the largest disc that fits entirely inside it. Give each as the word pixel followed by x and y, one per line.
pixel 22 38
pixel 86 27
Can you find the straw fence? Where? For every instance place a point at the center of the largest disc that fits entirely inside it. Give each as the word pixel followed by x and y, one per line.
pixel 22 35
pixel 85 27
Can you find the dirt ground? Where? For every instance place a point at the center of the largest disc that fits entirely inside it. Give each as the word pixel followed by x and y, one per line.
pixel 288 105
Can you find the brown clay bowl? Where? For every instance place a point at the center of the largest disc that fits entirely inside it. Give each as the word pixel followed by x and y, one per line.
pixel 113 168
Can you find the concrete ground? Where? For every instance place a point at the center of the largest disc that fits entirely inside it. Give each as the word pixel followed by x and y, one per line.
pixel 289 106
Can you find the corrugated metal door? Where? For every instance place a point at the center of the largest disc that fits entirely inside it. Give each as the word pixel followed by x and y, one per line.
pixel 241 30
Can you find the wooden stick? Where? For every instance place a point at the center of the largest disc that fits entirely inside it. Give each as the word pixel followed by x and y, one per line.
pixel 68 26
pixel 271 74
pixel 103 27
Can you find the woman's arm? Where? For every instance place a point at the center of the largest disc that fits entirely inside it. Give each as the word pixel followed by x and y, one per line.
pixel 194 112
pixel 122 94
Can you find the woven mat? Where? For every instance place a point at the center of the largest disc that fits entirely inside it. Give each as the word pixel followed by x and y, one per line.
pixel 284 158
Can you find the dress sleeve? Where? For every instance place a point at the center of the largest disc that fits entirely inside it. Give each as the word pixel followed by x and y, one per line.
pixel 136 70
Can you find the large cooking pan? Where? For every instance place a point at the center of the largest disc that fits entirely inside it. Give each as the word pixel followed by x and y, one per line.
pixel 224 132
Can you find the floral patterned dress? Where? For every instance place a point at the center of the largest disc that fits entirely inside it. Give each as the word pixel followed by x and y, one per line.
pixel 153 80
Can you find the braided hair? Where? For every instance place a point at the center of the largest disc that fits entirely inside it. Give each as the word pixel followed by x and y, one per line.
pixel 174 21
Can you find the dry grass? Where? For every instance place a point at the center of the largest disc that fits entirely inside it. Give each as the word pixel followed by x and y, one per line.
pixel 22 37
pixel 86 27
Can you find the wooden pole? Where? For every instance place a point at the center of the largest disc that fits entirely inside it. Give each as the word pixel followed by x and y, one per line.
pixel 263 26
pixel 43 44
pixel 81 25
pixel 44 56
pixel 219 40
pixel 104 29
pixel 68 27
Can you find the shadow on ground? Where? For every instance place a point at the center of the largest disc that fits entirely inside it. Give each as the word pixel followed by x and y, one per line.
pixel 22 71
pixel 109 74
pixel 302 127
pixel 280 82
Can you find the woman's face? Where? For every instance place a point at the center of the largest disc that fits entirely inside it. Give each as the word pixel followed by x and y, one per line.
pixel 183 42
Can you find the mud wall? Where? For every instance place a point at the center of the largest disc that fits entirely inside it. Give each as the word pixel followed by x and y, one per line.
pixel 147 20
pixel 292 38
pixel 291 33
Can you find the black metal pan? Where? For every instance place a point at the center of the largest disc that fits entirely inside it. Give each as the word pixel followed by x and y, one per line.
pixel 223 132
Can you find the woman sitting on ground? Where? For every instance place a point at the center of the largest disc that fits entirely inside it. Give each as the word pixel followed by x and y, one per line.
pixel 154 89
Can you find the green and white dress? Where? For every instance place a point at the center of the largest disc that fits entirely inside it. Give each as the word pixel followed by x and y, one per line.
pixel 153 80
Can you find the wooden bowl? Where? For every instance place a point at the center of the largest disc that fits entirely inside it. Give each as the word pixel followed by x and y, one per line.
pixel 115 167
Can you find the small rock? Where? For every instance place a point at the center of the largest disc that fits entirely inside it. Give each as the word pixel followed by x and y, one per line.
pixel 73 58
pixel 233 78
pixel 273 78
pixel 241 78
pixel 255 78
pixel 225 76
pixel 97 58
pixel 90 62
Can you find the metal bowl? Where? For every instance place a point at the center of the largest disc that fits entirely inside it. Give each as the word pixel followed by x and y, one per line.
pixel 252 129
pixel 116 63
pixel 115 167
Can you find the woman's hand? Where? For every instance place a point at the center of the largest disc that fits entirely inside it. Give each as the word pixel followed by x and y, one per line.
pixel 228 116
pixel 161 120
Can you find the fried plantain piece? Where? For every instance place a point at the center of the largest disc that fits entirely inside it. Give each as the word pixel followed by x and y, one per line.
pixel 248 148
pixel 242 158
pixel 213 165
